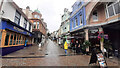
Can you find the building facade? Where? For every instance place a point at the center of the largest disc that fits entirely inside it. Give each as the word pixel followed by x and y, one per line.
pixel 104 17
pixel 65 22
pixel 78 20
pixel 39 26
pixel 15 28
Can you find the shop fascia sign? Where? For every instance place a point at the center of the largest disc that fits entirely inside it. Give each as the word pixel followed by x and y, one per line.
pixel 18 29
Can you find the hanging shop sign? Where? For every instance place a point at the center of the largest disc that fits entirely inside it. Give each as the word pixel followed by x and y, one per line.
pixel 93 33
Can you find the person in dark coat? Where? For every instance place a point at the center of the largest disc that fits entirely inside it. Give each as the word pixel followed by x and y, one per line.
pixel 95 51
pixel 77 45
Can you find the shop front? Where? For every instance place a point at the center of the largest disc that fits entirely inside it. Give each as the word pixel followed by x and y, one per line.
pixel 78 35
pixel 37 37
pixel 13 37
pixel 113 31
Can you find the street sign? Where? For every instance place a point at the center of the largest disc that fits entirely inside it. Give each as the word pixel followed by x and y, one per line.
pixel 101 60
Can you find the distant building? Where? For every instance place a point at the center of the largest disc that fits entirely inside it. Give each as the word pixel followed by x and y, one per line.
pixel 15 28
pixel 65 22
pixel 39 26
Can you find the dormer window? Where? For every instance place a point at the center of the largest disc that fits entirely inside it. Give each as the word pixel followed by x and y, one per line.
pixel 37 16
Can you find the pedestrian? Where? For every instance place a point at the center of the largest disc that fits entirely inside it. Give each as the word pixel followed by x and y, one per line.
pixel 39 46
pixel 59 41
pixel 95 51
pixel 66 47
pixel 77 45
pixel 26 42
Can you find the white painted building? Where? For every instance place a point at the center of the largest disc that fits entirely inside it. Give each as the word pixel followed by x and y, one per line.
pixel 10 10
pixel 15 28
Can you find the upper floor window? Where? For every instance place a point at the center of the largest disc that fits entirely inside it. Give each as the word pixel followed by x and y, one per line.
pixel 95 16
pixel 34 25
pixel 72 24
pixel 112 8
pixel 17 18
pixel 29 26
pixel 37 16
pixel 25 23
pixel 79 4
pixel 37 25
pixel 76 21
pixel 81 20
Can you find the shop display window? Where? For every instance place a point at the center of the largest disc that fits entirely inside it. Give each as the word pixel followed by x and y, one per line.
pixel 0 37
pixel 7 39
pixel 14 39
pixel 11 39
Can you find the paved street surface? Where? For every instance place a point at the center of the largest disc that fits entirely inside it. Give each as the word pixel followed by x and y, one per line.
pixel 49 55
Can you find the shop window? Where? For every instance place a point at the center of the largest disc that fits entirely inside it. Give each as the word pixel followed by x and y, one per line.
pixel 81 20
pixel 34 25
pixel 17 18
pixel 14 39
pixel 25 23
pixel 7 39
pixel 76 21
pixel 0 37
pixel 11 39
pixel 17 40
pixel 37 25
pixel 23 40
pixel 95 16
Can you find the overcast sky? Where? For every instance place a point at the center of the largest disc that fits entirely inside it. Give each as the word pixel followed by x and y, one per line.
pixel 51 10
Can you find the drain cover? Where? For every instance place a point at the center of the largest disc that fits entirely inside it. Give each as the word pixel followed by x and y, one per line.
pixel 31 53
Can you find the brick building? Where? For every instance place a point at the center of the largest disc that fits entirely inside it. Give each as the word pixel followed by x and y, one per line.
pixel 39 26
pixel 103 17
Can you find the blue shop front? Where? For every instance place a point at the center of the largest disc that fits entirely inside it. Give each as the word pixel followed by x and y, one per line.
pixel 13 37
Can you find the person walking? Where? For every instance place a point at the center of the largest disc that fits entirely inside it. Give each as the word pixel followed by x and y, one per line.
pixel 77 45
pixel 95 51
pixel 66 47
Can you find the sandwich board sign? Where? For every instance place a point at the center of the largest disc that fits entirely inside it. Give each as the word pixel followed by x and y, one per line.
pixel 101 60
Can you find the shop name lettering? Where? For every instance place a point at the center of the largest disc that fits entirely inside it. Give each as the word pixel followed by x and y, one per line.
pixel 18 29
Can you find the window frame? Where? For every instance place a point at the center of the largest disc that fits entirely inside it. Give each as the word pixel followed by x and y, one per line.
pixel 17 18
pixel 76 21
pixel 108 16
pixel 38 23
pixel 0 37
pixel 8 39
pixel 81 22
pixel 72 23
pixel 29 26
pixel 34 24
pixel 25 23
pixel 93 16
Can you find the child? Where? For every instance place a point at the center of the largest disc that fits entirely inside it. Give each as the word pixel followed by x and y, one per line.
pixel 66 47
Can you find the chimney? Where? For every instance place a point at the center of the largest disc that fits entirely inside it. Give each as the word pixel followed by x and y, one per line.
pixel 28 7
